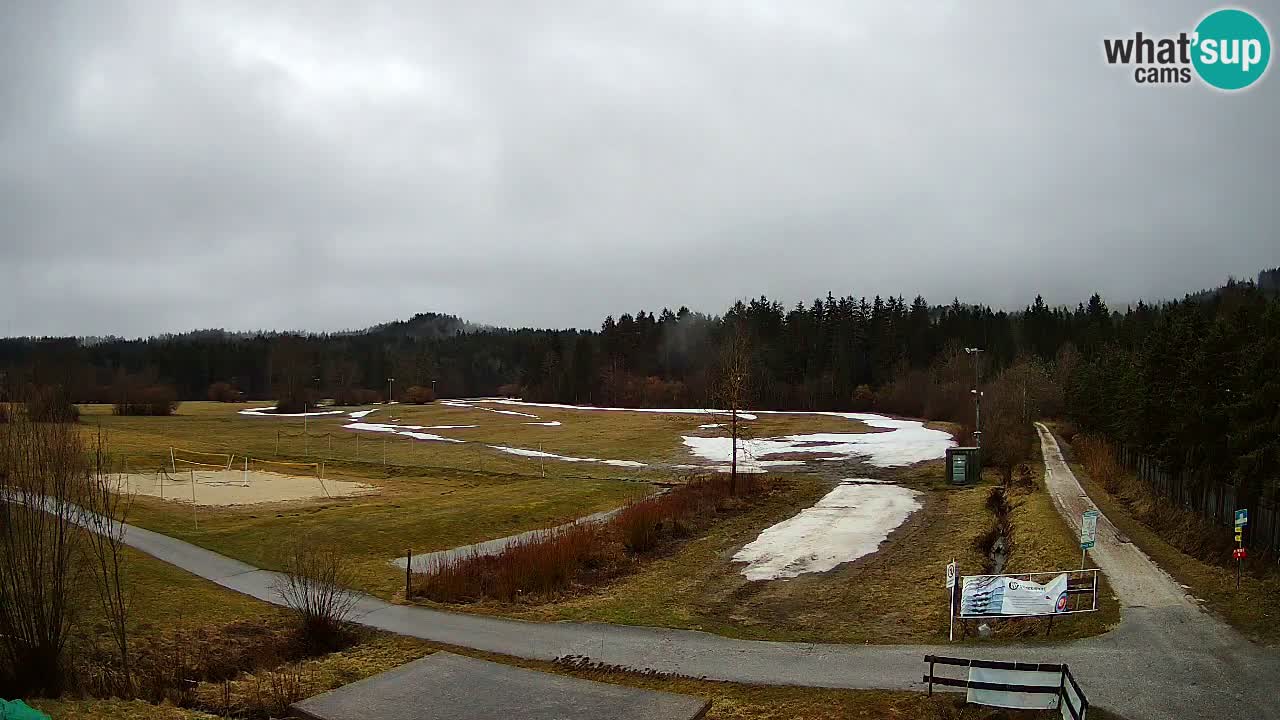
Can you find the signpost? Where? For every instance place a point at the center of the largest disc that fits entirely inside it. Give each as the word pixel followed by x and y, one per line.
pixel 1242 519
pixel 951 591
pixel 1088 533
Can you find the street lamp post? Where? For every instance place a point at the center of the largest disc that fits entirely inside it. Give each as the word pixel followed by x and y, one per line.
pixel 977 397
pixel 389 386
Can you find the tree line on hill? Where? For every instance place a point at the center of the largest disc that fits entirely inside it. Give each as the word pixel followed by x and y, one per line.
pixel 1190 382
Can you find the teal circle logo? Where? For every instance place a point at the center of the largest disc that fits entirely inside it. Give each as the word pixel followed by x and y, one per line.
pixel 1232 49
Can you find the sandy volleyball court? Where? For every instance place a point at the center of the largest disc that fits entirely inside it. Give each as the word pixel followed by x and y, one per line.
pixel 235 487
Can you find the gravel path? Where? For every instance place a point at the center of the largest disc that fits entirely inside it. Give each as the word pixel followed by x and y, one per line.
pixel 1137 580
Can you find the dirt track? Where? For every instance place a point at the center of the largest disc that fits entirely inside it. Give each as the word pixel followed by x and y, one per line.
pixel 1137 580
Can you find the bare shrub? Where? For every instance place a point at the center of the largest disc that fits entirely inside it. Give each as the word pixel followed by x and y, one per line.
pixel 276 690
pixel 355 396
pixel 40 548
pixel 295 401
pixel 314 584
pixel 154 400
pixel 864 399
pixel 224 392
pixel 51 403
pixel 419 395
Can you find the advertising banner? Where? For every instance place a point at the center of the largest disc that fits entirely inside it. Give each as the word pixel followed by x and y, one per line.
pixel 1006 595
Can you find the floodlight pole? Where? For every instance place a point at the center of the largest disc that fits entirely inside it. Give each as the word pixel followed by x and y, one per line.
pixel 390 382
pixel 306 439
pixel 977 396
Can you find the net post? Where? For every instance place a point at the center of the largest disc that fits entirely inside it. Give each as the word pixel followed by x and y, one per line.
pixel 408 572
pixel 195 517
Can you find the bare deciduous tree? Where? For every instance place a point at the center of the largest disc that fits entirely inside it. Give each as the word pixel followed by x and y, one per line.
pixel 40 544
pixel 107 506
pixel 733 390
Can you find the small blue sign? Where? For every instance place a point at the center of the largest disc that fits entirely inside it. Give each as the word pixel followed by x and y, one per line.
pixel 1087 545
pixel 1242 517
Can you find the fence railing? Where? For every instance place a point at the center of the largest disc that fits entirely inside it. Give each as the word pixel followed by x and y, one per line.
pixel 1214 500
pixel 1044 686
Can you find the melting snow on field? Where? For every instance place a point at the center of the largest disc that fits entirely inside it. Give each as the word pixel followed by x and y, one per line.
pixel 552 423
pixel 906 442
pixel 559 406
pixel 551 456
pixel 406 430
pixel 270 412
pixel 468 406
pixel 708 426
pixel 849 522
pixel 361 413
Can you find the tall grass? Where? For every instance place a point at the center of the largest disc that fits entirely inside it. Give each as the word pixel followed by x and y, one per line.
pixel 551 562
pixel 541 565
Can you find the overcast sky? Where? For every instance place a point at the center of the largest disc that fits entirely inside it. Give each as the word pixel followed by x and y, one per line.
pixel 314 165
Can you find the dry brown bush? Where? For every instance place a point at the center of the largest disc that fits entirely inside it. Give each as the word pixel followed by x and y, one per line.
pixel 224 392
pixel 315 583
pixel 155 400
pixel 419 395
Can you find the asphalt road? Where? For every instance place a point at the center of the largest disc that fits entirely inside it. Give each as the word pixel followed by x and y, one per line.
pixel 1167 659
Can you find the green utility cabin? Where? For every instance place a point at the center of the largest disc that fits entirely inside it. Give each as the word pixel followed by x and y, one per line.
pixel 964 465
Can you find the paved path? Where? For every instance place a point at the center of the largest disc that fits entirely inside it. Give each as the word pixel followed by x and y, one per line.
pixel 1166 660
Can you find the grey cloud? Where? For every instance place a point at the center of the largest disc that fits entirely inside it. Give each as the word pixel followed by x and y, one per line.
pixel 324 165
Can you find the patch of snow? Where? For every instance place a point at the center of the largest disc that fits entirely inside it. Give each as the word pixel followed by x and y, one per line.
pixel 907 442
pixel 406 430
pixel 661 411
pixel 552 456
pixel 428 436
pixel 553 423
pixel 708 426
pixel 361 413
pixel 263 412
pixel 460 404
pixel 849 522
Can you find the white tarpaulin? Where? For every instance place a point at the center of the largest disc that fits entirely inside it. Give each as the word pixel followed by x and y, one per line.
pixel 1008 699
pixel 1009 595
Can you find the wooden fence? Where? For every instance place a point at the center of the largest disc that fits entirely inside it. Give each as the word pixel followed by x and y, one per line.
pixel 1213 499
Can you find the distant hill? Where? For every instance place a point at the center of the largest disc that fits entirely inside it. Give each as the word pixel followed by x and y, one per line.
pixel 423 326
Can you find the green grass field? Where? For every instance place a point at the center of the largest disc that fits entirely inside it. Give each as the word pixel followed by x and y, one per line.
pixel 468 493
pixel 431 495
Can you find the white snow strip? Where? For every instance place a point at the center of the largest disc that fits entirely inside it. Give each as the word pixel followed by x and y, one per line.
pixel 361 413
pixel 661 411
pixel 907 442
pixel 270 412
pixel 406 430
pixel 553 423
pixel 460 404
pixel 849 522
pixel 552 456
pixel 708 426
pixel 428 436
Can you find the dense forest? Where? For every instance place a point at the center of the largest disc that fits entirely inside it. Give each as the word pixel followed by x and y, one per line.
pixel 1192 382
